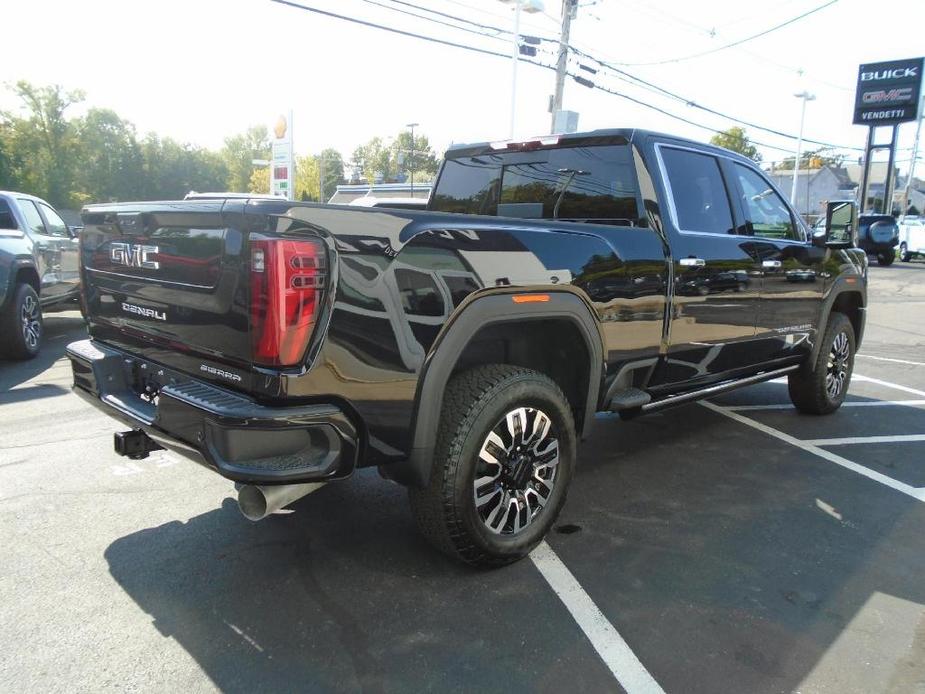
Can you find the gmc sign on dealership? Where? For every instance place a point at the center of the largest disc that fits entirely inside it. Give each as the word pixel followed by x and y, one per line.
pixel 889 93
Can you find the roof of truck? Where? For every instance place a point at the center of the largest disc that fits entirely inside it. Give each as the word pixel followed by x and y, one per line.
pixel 605 136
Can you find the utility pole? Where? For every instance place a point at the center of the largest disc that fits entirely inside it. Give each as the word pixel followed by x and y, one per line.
pixel 805 96
pixel 569 7
pixel 915 155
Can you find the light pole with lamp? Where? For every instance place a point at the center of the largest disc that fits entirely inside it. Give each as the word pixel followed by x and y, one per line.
pixel 411 158
pixel 805 96
pixel 530 7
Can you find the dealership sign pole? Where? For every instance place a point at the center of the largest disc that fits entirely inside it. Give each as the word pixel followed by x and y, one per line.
pixel 888 94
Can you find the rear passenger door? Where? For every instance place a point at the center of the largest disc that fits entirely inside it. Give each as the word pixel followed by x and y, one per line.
pixel 790 268
pixel 715 298
pixel 48 250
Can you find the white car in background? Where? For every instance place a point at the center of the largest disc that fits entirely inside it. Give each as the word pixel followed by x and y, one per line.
pixel 911 238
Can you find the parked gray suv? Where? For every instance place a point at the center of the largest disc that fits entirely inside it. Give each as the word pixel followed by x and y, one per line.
pixel 38 270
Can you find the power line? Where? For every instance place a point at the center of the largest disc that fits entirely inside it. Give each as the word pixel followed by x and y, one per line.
pixel 690 102
pixel 400 32
pixel 433 20
pixel 652 86
pixel 613 92
pixel 740 41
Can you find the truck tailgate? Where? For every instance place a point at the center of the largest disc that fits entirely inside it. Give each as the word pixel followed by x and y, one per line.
pixel 166 275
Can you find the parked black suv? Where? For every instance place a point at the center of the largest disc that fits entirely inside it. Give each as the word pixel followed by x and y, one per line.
pixel 38 270
pixel 464 349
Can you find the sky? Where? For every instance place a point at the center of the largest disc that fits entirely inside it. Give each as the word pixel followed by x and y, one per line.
pixel 201 70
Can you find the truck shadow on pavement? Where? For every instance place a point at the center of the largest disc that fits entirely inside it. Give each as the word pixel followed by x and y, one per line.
pixel 343 595
pixel 60 329
pixel 702 543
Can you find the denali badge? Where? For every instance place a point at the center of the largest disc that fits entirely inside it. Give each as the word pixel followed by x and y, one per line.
pixel 146 312
pixel 218 372
pixel 132 255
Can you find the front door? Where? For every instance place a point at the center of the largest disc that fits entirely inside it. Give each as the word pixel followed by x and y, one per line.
pixel 790 266
pixel 716 289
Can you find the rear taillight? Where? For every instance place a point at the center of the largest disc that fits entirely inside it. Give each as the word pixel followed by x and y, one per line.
pixel 287 282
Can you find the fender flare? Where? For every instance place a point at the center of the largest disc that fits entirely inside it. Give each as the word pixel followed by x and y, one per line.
pixel 481 311
pixel 850 284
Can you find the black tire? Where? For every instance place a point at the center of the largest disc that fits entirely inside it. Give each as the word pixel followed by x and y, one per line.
pixel 811 389
pixel 886 258
pixel 21 326
pixel 477 406
pixel 904 254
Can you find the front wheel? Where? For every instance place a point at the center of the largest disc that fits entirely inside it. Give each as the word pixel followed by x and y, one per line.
pixel 821 387
pixel 503 463
pixel 886 258
pixel 21 326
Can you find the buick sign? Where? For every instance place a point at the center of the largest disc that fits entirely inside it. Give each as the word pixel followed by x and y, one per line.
pixel 889 93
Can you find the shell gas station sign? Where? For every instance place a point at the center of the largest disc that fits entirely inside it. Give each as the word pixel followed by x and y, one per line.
pixel 282 174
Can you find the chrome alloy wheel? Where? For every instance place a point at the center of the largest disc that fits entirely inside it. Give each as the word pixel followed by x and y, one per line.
pixel 516 471
pixel 30 318
pixel 837 367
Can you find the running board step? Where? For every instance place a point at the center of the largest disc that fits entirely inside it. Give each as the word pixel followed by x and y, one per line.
pixel 724 387
pixel 629 399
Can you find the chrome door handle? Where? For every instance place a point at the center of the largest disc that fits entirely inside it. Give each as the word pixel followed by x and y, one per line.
pixel 692 262
pixel 771 263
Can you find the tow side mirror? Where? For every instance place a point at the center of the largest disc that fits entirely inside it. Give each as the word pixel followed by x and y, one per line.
pixel 74 231
pixel 841 225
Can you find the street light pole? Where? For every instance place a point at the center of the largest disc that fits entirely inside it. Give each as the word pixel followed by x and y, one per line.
pixel 805 96
pixel 529 6
pixel 411 158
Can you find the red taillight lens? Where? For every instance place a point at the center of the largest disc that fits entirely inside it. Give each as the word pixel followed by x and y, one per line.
pixel 287 281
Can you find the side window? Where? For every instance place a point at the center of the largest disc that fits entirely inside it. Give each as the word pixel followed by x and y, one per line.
pixel 698 191
pixel 7 220
pixel 33 219
pixel 419 293
pixel 594 184
pixel 768 213
pixel 54 223
pixel 468 185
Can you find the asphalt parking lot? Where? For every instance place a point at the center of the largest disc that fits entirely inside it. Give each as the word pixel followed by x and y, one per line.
pixel 732 546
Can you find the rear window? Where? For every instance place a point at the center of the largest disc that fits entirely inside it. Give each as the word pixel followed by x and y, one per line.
pixel 589 184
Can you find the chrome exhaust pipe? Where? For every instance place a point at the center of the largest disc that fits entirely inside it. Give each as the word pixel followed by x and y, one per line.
pixel 257 502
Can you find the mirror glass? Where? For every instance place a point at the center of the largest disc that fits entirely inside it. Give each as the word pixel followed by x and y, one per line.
pixel 840 223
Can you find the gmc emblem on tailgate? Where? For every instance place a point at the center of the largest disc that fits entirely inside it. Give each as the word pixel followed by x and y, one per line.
pixel 133 255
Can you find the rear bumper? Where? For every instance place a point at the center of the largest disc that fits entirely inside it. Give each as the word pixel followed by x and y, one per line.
pixel 229 433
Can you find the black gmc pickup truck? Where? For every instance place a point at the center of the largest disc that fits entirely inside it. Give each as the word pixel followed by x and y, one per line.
pixel 463 349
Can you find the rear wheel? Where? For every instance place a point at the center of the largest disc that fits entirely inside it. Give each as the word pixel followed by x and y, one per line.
pixel 904 254
pixel 21 327
pixel 503 463
pixel 821 387
pixel 886 258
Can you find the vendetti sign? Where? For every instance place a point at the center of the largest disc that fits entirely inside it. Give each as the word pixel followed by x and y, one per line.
pixel 889 93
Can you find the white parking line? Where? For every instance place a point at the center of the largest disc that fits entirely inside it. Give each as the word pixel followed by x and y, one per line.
pixel 849 440
pixel 907 489
pixel 895 361
pixel 849 403
pixel 610 646
pixel 887 384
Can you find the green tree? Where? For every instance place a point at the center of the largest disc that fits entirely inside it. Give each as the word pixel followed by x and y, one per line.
pixel 111 163
pixel 240 151
pixel 376 161
pixel 171 169
pixel 420 158
pixel 45 140
pixel 736 140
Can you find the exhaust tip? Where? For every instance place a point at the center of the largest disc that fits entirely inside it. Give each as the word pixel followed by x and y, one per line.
pixel 252 502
